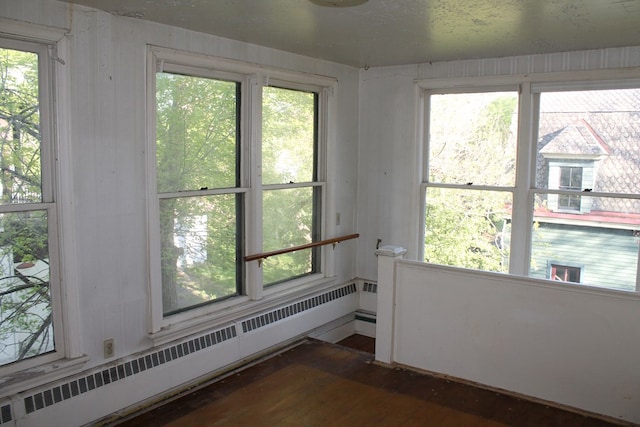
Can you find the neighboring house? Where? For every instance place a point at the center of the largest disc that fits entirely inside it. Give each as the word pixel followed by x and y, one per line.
pixel 589 144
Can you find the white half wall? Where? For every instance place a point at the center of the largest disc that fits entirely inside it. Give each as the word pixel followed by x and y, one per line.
pixel 576 346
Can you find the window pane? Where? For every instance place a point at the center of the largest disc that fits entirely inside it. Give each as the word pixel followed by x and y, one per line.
pixel 197 133
pixel 472 138
pixel 603 238
pixel 288 136
pixel 589 140
pixel 287 266
pixel 26 327
pixel 288 221
pixel 467 228
pixel 20 168
pixel 199 250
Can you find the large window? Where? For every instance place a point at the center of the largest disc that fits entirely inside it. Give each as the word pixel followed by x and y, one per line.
pixel 536 193
pixel 29 297
pixel 236 171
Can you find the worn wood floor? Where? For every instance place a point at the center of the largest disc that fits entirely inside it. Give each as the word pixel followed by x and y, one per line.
pixel 320 384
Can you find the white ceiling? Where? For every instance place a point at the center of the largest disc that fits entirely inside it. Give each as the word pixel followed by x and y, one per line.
pixel 394 32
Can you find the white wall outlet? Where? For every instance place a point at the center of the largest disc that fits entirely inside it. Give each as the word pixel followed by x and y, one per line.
pixel 108 347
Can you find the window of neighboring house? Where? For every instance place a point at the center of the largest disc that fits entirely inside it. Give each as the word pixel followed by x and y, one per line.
pixel 470 176
pixel 570 179
pixel 236 172
pixel 30 331
pixel 571 193
pixel 565 273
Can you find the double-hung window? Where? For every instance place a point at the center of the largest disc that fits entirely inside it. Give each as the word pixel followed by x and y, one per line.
pixel 30 313
pixel 535 180
pixel 236 169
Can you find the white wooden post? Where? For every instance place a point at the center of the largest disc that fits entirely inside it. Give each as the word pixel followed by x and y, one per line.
pixel 387 257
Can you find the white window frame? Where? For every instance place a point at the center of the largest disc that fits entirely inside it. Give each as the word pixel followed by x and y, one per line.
pixel 252 78
pixel 529 86
pixel 57 181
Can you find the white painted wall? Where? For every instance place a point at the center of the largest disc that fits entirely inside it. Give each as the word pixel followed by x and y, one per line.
pixel 577 346
pixel 105 142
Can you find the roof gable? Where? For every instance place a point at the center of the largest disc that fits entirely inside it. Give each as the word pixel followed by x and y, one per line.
pixel 576 140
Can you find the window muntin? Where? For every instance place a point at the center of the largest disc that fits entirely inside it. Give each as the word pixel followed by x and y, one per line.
pixel 29 301
pixel 471 174
pixel 197 167
pixel 291 193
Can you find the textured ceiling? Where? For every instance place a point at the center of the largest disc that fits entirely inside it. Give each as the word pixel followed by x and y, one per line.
pixel 395 32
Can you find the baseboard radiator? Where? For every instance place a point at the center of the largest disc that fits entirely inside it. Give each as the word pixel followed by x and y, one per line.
pixel 97 378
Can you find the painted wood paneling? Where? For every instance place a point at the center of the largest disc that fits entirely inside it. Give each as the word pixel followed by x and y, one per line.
pixel 577 347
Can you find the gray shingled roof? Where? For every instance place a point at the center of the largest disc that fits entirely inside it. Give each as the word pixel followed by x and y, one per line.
pixel 575 139
pixel 606 125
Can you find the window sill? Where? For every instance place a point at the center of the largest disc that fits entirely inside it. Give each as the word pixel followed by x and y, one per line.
pixel 39 375
pixel 236 309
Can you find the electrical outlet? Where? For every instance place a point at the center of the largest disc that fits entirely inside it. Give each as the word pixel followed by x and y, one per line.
pixel 108 348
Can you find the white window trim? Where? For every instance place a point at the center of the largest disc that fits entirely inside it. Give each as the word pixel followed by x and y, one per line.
pixel 530 86
pixel 253 77
pixel 58 181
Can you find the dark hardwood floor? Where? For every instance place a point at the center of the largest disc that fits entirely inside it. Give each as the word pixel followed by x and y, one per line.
pixel 321 384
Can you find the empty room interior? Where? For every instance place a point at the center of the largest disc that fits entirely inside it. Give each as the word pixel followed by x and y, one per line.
pixel 193 188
